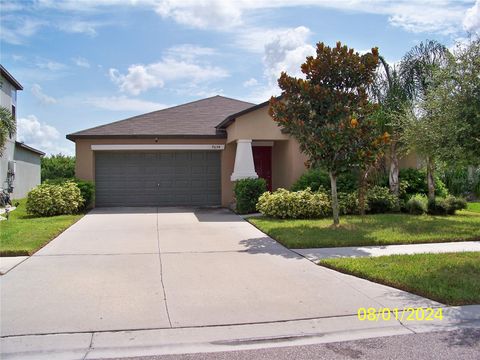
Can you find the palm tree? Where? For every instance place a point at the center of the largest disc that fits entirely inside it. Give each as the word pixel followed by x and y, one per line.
pixel 7 127
pixel 391 92
pixel 418 68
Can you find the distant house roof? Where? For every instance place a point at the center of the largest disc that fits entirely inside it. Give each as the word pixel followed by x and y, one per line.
pixel 10 78
pixel 29 148
pixel 195 119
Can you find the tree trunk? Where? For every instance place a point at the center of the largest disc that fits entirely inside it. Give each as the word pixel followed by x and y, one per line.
pixel 430 178
pixel 393 180
pixel 361 191
pixel 335 210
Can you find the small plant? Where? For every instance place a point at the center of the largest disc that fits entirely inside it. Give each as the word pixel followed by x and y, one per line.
pixel 381 200
pixel 302 204
pixel 50 200
pixel 247 192
pixel 348 203
pixel 417 204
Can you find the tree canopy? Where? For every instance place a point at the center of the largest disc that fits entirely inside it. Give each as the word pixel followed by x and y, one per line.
pixel 329 111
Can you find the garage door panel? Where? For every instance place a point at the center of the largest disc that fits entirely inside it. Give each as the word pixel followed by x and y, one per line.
pixel 157 178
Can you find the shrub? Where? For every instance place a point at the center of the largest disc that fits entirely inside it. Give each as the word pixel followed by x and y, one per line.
pixel 380 200
pixel 57 167
pixel 446 206
pixel 247 192
pixel 50 200
pixel 294 204
pixel 415 182
pixel 455 203
pixel 417 204
pixel 317 179
pixel 348 203
pixel 437 206
pixel 87 188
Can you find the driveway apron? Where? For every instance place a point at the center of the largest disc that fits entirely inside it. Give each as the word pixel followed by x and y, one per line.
pixel 146 268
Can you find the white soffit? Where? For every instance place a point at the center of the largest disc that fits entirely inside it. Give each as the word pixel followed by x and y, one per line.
pixel 158 147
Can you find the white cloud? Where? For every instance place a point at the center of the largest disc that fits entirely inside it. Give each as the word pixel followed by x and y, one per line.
pixel 79 27
pixel 50 65
pixel 16 30
pixel 250 82
pixel 218 14
pixel 286 52
pixel 189 51
pixel 471 21
pixel 82 62
pixel 174 66
pixel 41 96
pixel 40 135
pixel 122 103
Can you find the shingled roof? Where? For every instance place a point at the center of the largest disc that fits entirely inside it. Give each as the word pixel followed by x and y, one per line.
pixel 195 119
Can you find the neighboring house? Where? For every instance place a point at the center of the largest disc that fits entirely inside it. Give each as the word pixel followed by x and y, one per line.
pixel 19 164
pixel 186 155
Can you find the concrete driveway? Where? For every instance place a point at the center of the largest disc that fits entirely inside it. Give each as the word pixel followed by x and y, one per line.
pixel 151 268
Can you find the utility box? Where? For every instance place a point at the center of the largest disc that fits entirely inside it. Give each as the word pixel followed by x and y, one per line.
pixel 12 167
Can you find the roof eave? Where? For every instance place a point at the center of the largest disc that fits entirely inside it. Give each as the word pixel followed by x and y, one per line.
pixel 10 78
pixel 29 148
pixel 220 135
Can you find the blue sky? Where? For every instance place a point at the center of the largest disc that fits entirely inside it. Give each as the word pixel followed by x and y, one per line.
pixel 88 62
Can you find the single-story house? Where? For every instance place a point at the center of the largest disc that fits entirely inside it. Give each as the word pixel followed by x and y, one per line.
pixel 19 163
pixel 186 155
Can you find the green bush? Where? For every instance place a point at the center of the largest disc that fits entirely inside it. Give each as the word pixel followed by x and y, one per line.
pixel 348 203
pixel 459 182
pixel 304 204
pixel 57 167
pixel 417 204
pixel 247 192
pixel 87 188
pixel 437 206
pixel 446 206
pixel 317 179
pixel 50 200
pixel 414 181
pixel 379 199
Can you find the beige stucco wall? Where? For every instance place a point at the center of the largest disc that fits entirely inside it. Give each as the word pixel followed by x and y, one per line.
pixel 255 125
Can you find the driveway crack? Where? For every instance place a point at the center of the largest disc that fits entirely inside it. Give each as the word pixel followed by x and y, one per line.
pixel 161 273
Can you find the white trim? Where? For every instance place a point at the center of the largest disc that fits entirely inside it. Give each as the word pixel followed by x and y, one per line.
pixel 158 147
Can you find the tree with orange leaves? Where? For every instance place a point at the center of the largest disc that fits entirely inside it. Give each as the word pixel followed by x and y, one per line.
pixel 329 112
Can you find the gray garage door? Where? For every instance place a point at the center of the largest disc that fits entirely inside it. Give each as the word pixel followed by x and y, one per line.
pixel 157 178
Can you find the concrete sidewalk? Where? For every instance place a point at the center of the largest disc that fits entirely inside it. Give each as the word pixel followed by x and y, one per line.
pixel 317 254
pixel 98 345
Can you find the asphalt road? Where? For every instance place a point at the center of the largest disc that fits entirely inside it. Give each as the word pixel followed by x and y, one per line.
pixel 461 344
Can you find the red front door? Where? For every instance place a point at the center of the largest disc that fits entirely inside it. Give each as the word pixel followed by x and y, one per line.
pixel 262 158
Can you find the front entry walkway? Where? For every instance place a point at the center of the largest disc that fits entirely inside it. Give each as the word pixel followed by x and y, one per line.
pixel 318 254
pixel 156 268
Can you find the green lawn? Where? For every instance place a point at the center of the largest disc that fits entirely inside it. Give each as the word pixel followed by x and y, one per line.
pixel 475 207
pixel 23 234
pixel 381 229
pixel 452 278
